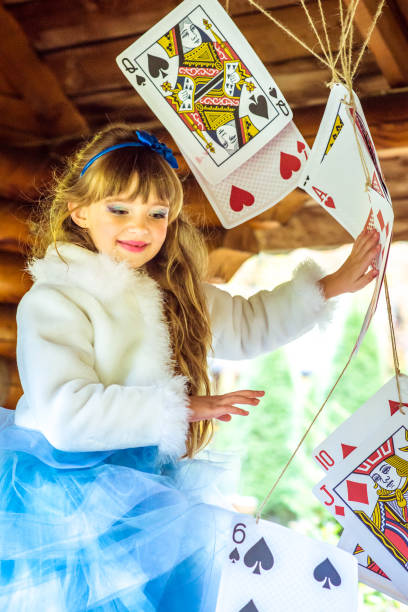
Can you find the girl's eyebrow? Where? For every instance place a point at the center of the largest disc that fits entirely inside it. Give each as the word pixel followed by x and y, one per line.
pixel 122 200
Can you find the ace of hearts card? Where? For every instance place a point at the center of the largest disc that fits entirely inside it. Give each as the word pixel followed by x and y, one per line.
pixel 343 165
pixel 207 86
pixel 269 567
pixel 368 491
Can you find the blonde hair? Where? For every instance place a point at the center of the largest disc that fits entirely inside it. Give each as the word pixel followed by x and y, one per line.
pixel 179 266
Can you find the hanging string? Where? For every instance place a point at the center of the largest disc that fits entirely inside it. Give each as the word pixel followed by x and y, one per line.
pixel 345 55
pixel 368 36
pixel 312 25
pixel 227 6
pixel 303 438
pixel 288 32
pixel 393 343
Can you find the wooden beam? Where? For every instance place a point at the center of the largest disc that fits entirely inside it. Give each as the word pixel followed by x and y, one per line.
pixel 23 173
pixel 389 41
pixel 67 23
pixel 14 235
pixel 10 385
pixel 8 331
pixel 89 68
pixel 36 83
pixel 387 117
pixel 14 282
pixel 223 263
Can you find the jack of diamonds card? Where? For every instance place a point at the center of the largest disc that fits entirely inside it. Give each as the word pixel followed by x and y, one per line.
pixel 368 494
pixel 340 444
pixel 207 86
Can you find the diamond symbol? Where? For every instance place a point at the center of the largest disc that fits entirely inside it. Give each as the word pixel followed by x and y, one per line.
pixel 357 491
pixel 339 510
pixel 380 220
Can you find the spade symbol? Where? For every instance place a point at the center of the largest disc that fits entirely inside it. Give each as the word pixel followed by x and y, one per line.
pixel 260 556
pixel 234 555
pixel 260 107
pixel 326 572
pixel 250 607
pixel 273 92
pixel 140 80
pixel 157 66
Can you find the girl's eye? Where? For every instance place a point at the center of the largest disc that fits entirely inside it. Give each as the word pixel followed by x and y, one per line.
pixel 117 211
pixel 159 214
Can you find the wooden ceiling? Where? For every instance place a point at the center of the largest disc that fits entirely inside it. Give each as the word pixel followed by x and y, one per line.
pixel 59 82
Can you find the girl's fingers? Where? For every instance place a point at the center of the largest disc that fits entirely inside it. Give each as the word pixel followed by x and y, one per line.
pixel 366 279
pixel 246 392
pixel 239 399
pixel 224 417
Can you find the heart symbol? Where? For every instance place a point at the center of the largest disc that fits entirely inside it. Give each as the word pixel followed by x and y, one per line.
pixel 300 146
pixel 260 108
pixel 240 198
pixel 288 165
pixel 329 202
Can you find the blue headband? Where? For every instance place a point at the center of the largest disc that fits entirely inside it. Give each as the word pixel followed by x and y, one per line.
pixel 146 140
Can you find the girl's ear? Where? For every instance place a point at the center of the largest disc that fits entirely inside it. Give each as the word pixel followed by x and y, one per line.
pixel 79 214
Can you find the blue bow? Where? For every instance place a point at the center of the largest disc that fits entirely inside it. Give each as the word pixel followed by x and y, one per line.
pixel 159 147
pixel 146 140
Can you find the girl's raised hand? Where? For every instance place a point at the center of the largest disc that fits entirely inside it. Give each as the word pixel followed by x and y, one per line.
pixel 222 406
pixel 353 274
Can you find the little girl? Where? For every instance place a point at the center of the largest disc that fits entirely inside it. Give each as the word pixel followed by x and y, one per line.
pixel 98 509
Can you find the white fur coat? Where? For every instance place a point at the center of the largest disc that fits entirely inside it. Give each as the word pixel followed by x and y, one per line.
pixel 93 348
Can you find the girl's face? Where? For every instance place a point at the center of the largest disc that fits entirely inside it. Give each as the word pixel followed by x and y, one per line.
pixel 129 230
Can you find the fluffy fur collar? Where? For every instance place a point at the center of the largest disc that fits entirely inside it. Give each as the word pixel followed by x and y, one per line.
pixel 97 273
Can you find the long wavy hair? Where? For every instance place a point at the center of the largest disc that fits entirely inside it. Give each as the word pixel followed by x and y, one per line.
pixel 178 267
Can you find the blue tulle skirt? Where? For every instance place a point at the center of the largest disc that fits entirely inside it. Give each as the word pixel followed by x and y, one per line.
pixel 103 531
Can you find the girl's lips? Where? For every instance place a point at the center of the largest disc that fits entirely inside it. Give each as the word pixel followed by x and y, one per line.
pixel 133 246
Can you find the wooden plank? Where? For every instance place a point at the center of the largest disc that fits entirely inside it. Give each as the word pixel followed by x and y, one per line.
pixel 67 23
pixel 92 67
pixel 14 235
pixel 17 115
pixel 389 41
pixel 387 116
pixel 14 282
pixel 223 263
pixel 8 331
pixel 10 385
pixel 23 173
pixel 35 81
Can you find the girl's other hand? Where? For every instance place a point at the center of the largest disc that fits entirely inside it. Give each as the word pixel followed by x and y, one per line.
pixel 353 275
pixel 221 407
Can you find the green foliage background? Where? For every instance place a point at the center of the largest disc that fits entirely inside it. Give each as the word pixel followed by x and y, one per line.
pixel 266 439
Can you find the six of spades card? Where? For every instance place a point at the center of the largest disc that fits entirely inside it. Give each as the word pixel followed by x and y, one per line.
pixel 270 567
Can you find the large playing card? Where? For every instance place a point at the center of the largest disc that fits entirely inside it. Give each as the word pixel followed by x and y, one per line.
pixel 203 80
pixel 368 493
pixel 269 567
pixel 262 181
pixel 368 570
pixel 341 157
pixel 361 424
pixel 342 442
